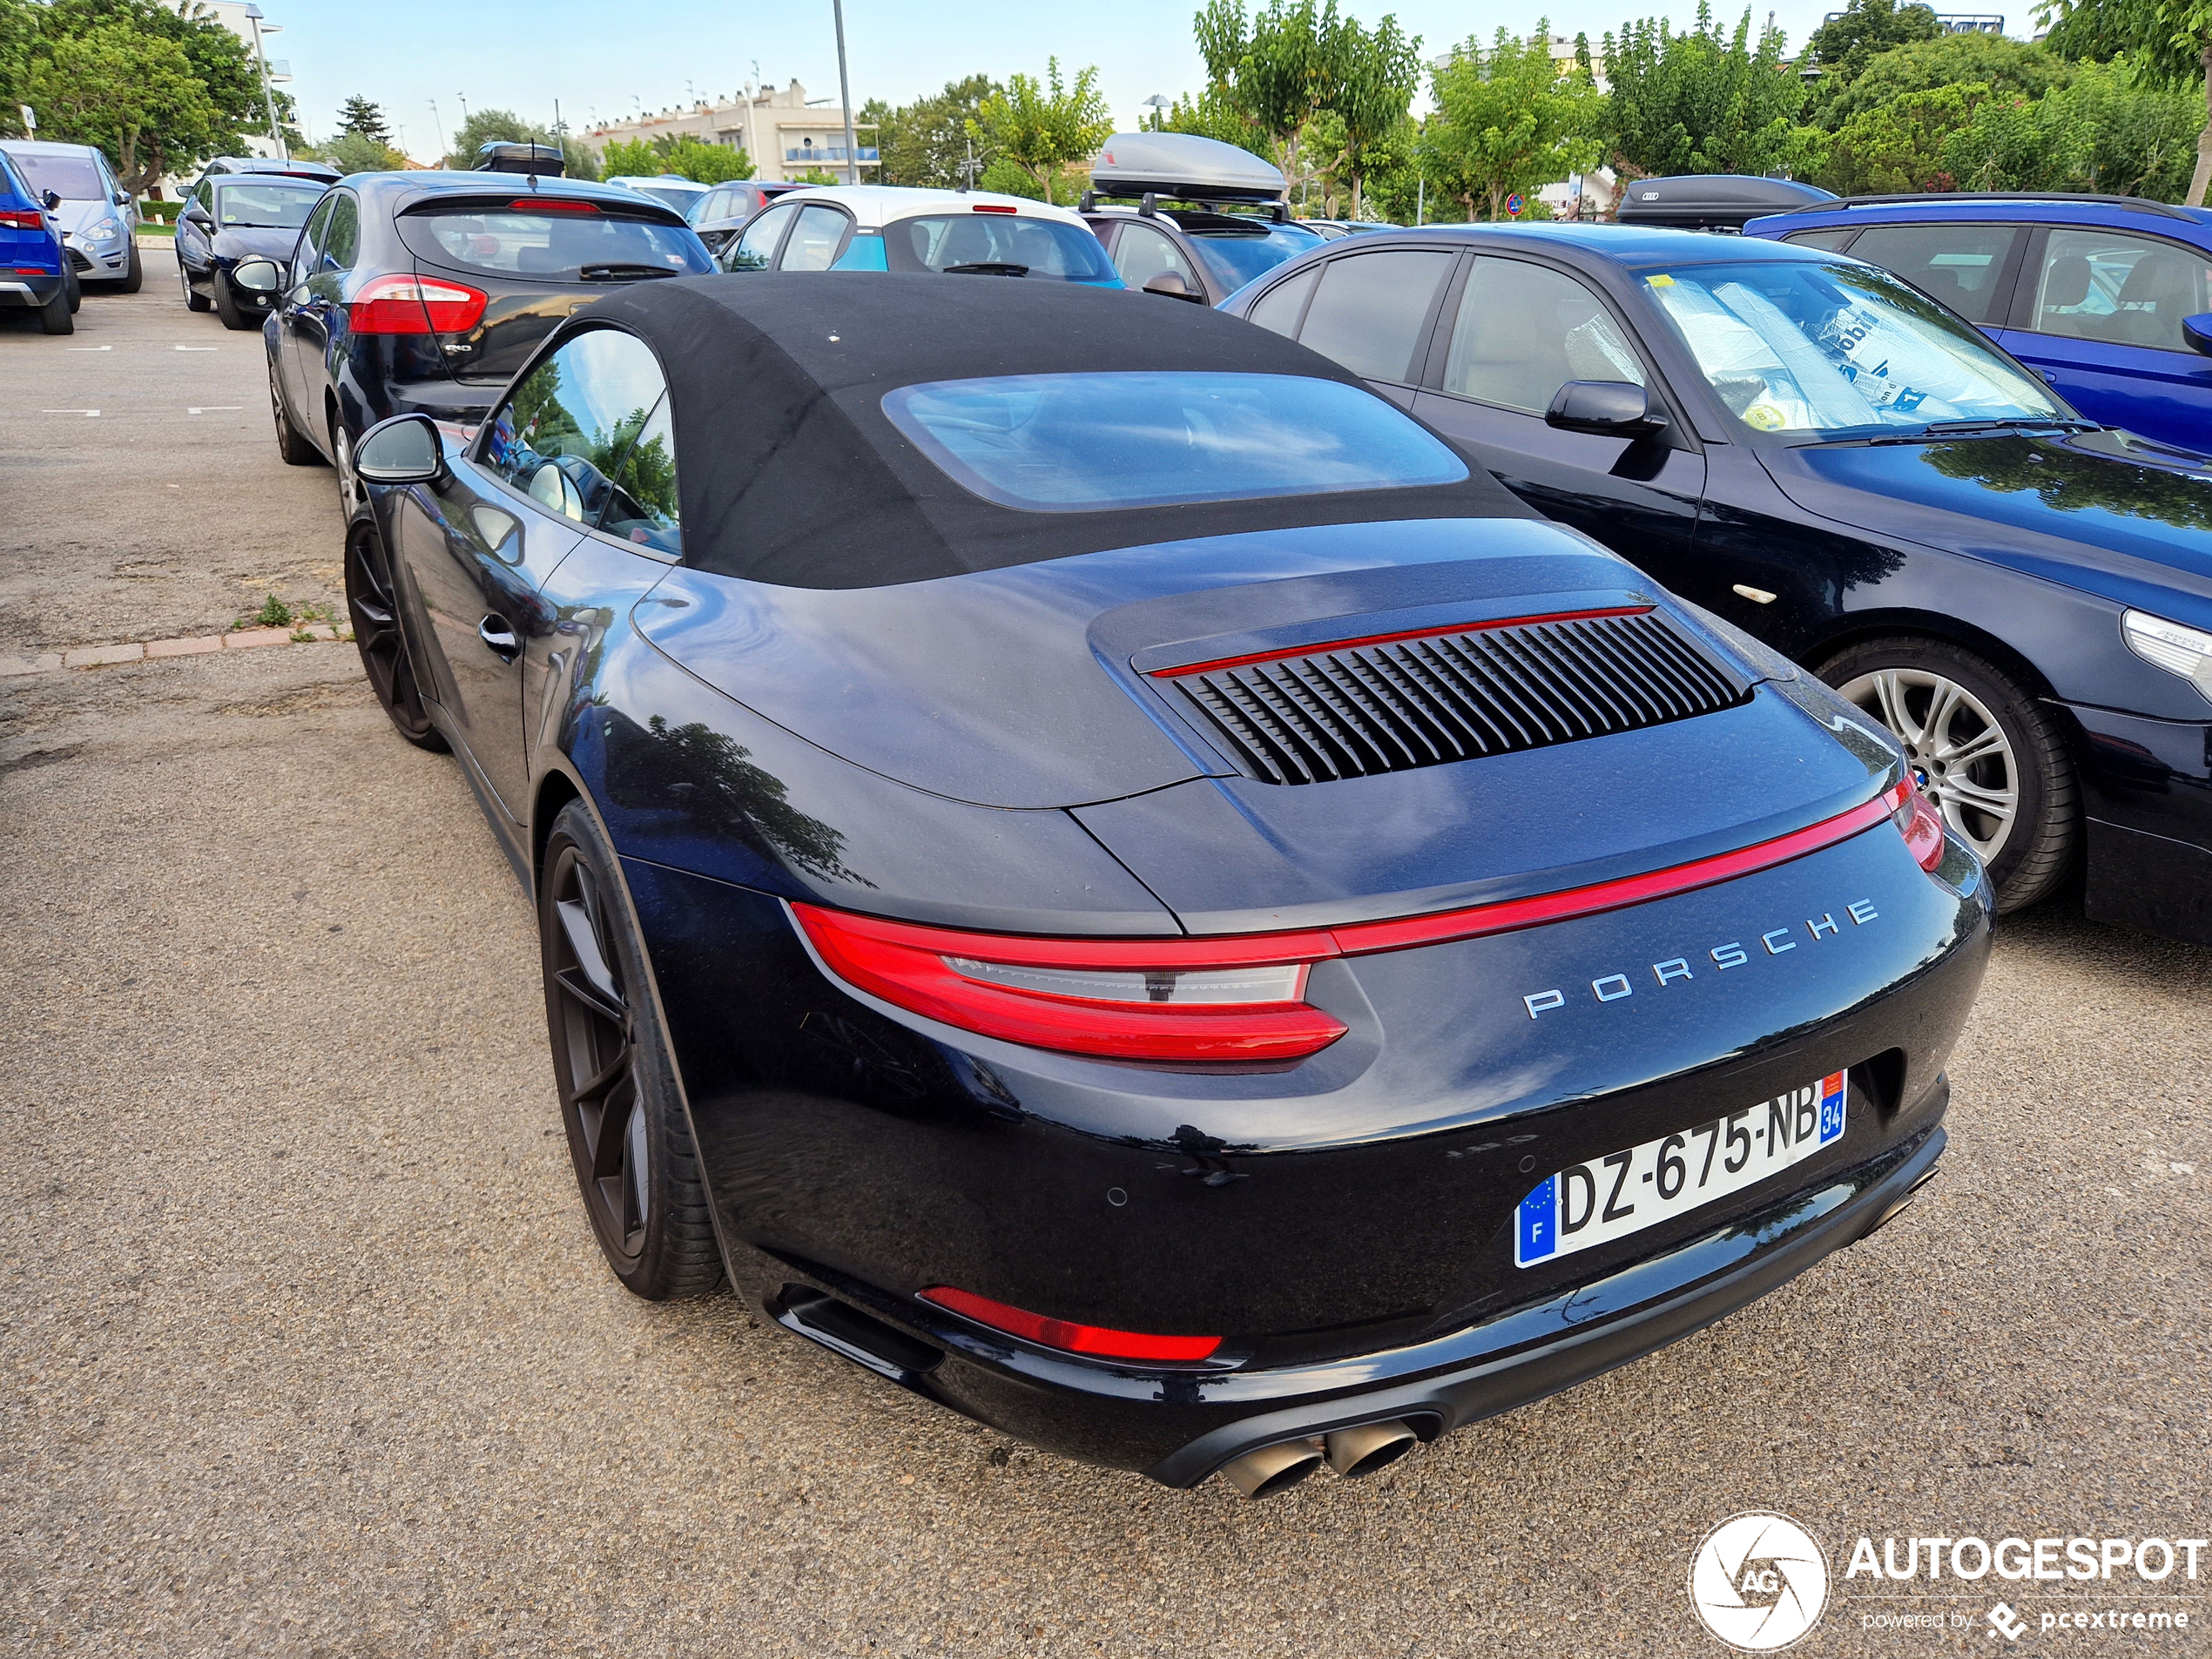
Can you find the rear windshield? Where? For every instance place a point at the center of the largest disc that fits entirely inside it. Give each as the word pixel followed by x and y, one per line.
pixel 1234 258
pixel 1017 245
pixel 276 203
pixel 74 178
pixel 554 246
pixel 1061 443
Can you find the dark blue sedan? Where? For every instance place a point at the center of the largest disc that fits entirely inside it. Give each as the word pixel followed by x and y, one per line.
pixel 1824 455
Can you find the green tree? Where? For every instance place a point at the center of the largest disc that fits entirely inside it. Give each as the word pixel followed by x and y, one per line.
pixel 1704 101
pixel 1210 115
pixel 1507 120
pixel 352 153
pixel 926 142
pixel 1897 146
pixel 2143 135
pixel 1278 68
pixel 1376 74
pixel 2170 41
pixel 1044 126
pixel 132 94
pixel 357 115
pixel 686 156
pixel 2002 65
pixel 1846 44
pixel 18 36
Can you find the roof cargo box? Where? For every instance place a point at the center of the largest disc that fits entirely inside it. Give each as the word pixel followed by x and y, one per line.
pixel 1719 201
pixel 1185 166
pixel 542 159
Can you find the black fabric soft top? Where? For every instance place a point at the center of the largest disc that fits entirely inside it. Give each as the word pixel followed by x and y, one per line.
pixel 788 471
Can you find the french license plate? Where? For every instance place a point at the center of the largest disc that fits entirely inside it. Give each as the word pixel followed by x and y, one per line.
pixel 1586 1205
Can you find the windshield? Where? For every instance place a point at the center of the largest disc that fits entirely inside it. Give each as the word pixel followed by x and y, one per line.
pixel 1824 350
pixel 74 178
pixel 270 203
pixel 1081 443
pixel 1041 247
pixel 556 246
pixel 1234 258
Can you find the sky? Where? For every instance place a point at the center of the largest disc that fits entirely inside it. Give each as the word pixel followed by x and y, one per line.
pixel 597 58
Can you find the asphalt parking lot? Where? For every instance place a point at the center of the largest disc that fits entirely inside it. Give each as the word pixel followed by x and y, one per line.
pixel 308 1350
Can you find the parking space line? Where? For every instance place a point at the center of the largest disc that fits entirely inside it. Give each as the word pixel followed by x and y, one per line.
pixel 86 412
pixel 198 348
pixel 217 408
pixel 88 348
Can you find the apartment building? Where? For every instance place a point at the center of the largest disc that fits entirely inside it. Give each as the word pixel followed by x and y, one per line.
pixel 787 134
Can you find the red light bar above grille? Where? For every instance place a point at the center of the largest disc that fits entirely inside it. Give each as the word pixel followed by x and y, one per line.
pixel 1095 1339
pixel 1387 639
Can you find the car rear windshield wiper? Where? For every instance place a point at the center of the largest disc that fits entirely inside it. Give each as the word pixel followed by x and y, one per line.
pixel 624 273
pixel 986 267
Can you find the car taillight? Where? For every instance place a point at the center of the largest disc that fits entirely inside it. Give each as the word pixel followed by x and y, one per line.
pixel 1168 999
pixel 993 207
pixel 1917 821
pixel 22 220
pixel 1095 1339
pixel 407 305
pixel 544 204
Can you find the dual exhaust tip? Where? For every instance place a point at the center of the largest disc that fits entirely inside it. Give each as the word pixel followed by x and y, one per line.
pixel 1350 1451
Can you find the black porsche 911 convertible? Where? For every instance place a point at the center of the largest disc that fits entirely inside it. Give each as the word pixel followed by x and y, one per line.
pixel 1088 866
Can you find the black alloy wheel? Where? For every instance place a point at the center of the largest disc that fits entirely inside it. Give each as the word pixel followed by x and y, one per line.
pixel 628 1135
pixel 295 449
pixel 194 300
pixel 1988 752
pixel 372 605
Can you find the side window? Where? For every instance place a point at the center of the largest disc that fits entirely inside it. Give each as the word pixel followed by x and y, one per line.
pixel 816 239
pixel 1960 265
pixel 1834 242
pixel 757 247
pixel 562 435
pixel 341 240
pixel 1368 312
pixel 1281 306
pixel 310 248
pixel 2120 289
pixel 713 204
pixel 1140 253
pixel 641 507
pixel 1523 331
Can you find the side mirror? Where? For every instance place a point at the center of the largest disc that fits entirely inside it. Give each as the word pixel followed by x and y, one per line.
pixel 2198 332
pixel 122 198
pixel 198 215
pixel 257 276
pixel 405 449
pixel 1611 408
pixel 52 201
pixel 1175 287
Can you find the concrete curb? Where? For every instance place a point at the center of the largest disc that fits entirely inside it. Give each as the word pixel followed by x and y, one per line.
pixel 154 651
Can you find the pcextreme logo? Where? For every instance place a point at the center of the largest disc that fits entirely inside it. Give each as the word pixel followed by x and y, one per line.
pixel 1759 1583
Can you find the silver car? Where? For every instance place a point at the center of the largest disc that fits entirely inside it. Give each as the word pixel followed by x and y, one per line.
pixel 93 212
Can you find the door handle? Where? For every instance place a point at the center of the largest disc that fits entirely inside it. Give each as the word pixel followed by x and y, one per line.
pixel 495 632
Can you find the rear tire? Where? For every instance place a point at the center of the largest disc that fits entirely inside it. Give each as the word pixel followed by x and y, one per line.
pixel 194 300
pixel 54 316
pixel 295 449
pixel 1984 749
pixel 372 605
pixel 75 285
pixel 629 1138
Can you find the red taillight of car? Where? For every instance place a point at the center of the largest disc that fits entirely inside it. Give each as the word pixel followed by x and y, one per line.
pixel 1128 999
pixel 993 207
pixel 1917 821
pixel 407 305
pixel 23 219
pixel 1070 1337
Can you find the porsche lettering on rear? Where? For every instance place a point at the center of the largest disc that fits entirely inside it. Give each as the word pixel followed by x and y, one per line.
pixel 1736 953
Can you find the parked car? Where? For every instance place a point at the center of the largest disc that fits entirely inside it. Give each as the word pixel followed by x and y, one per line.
pixel 1230 227
pixel 1331 230
pixel 231 217
pixel 1098 871
pixel 723 211
pixel 888 227
pixel 1830 460
pixel 2108 298
pixel 221 166
pixel 35 272
pixel 679 192
pixel 94 212
pixel 426 291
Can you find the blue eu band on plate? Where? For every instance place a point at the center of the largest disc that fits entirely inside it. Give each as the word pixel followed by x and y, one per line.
pixel 1586 1205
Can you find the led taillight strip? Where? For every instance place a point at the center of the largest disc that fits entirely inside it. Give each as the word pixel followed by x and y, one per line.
pixel 1322 648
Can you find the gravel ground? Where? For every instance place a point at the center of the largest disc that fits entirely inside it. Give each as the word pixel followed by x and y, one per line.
pixel 309 1351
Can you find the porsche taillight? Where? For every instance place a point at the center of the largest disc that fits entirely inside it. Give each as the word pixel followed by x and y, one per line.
pixel 1917 821
pixel 410 305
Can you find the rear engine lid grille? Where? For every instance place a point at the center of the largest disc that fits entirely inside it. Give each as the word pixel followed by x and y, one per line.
pixel 1362 707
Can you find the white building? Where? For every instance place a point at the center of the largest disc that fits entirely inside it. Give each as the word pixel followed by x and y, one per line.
pixel 784 132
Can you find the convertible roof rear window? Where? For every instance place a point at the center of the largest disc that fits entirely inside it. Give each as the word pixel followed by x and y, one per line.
pixel 1083 443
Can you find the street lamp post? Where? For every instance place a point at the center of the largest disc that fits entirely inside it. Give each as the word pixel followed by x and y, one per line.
pixel 268 94
pixel 844 96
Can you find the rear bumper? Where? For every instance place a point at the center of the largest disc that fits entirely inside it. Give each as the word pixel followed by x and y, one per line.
pixel 31 291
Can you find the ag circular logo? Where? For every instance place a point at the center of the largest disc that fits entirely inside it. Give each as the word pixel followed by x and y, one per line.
pixel 1759 1583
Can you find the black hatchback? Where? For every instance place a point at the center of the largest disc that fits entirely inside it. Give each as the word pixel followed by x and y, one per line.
pixel 422 293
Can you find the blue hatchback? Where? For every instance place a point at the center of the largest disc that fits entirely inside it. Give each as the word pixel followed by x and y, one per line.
pixel 2106 296
pixel 33 273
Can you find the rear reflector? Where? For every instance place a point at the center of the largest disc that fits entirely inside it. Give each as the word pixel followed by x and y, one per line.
pixel 406 305
pixel 1068 1337
pixel 993 207
pixel 1239 996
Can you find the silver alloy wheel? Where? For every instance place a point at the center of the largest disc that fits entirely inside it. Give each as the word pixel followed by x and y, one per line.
pixel 342 453
pixel 1959 753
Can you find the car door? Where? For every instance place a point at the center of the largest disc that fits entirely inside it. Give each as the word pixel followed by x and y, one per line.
pixel 291 311
pixel 755 248
pixel 579 448
pixel 818 236
pixel 2100 317
pixel 1513 334
pixel 193 230
pixel 1370 312
pixel 1970 268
